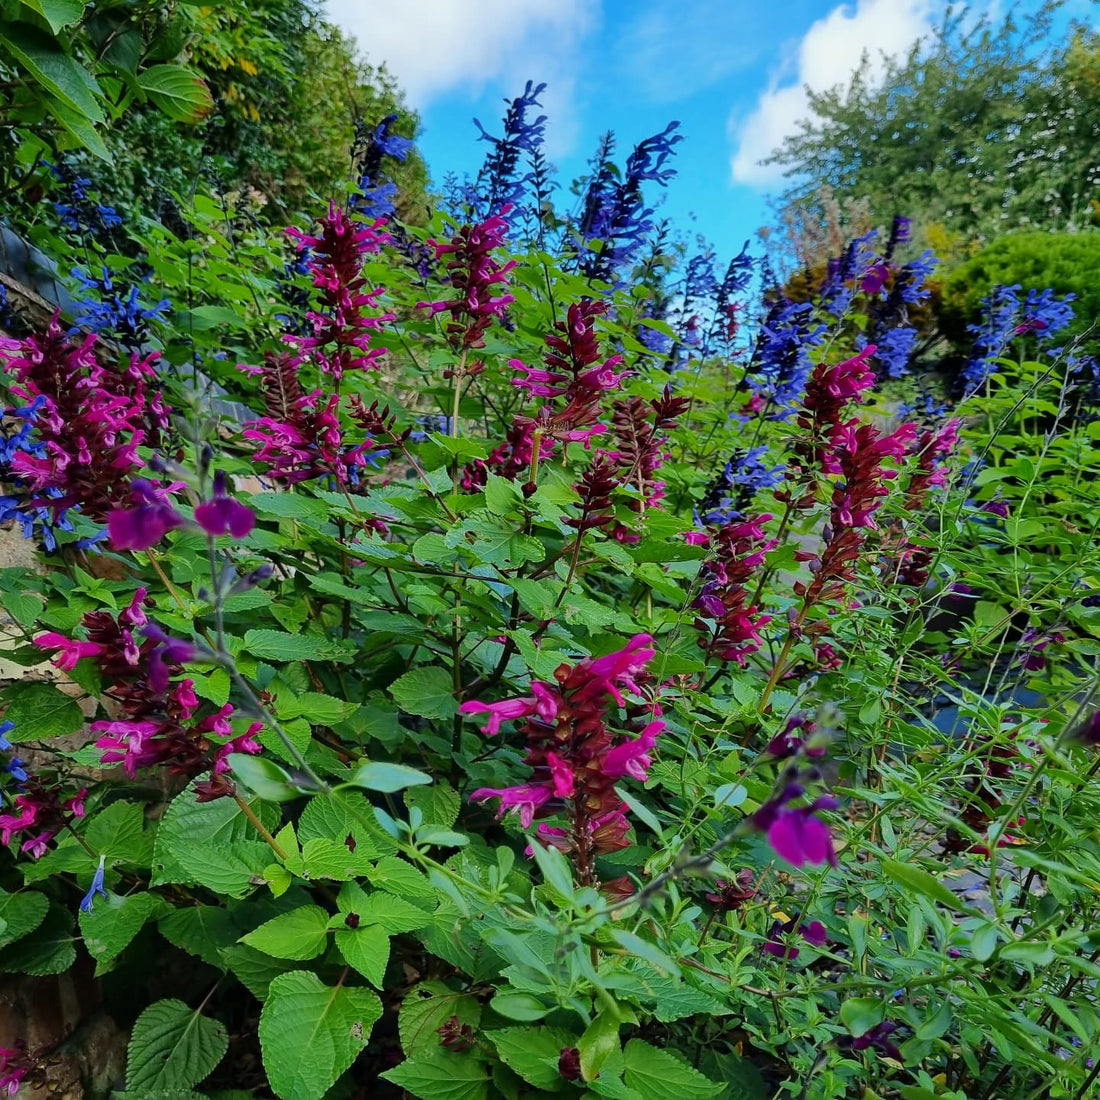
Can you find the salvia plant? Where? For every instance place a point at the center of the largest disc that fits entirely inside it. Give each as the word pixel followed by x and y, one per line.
pixel 436 685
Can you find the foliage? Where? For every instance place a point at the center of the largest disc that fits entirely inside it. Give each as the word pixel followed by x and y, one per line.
pixel 987 127
pixel 486 698
pixel 1062 262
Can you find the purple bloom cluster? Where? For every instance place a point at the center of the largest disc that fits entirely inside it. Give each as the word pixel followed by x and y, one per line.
pixel 1004 317
pixel 729 496
pixel 16 505
pixel 373 145
pixel 781 357
pixel 615 221
pixel 78 211
pixel 499 183
pixel 111 312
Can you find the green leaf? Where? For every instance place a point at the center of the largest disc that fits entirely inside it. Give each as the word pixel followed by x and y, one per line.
pixel 22 914
pixel 39 711
pixel 599 1041
pixel 533 1052
pixel 377 775
pixel 263 776
pixel 255 970
pixel 394 914
pixel 983 941
pixel 920 881
pixel 42 56
pixel 519 1006
pixel 427 692
pixel 275 645
pixel 428 1006
pixel 311 1033
pixel 178 91
pixel 439 803
pixel 396 876
pixel 201 930
pixel 49 949
pixel 173 1047
pixel 210 844
pixel 58 13
pixel 367 948
pixel 860 1014
pixel 656 1075
pixel 442 1075
pixel 113 922
pixel 300 934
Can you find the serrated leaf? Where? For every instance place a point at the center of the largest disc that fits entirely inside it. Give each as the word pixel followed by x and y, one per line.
pixel 367 948
pixel 178 91
pixel 42 56
pixel 300 934
pixel 173 1047
pixel 427 692
pixel 201 930
pixel 49 949
pixel 656 1075
pixel 255 970
pixel 428 1006
pixel 329 818
pixel 310 1033
pixel 40 711
pixel 396 876
pixel 394 914
pixel 533 1052
pixel 112 923
pixel 438 803
pixel 21 914
pixel 276 645
pixel 211 844
pixel 442 1075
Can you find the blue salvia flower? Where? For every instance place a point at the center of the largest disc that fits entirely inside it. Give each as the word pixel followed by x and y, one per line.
pixel 781 358
pixel 96 888
pixel 729 496
pixel 893 349
pixel 1005 317
pixel 113 313
pixel 34 518
pixel 615 214
pixel 79 212
pixel 728 296
pixel 375 195
pixel 498 182
pixel 5 729
pixel 910 283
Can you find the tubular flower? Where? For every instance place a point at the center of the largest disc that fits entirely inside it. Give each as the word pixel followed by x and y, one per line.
pixel 573 377
pixel 797 835
pixel 737 552
pixel 159 720
pixel 301 437
pixel 575 757
pixel 40 812
pixel 222 515
pixel 342 329
pixel 828 393
pixel 933 446
pixel 86 420
pixel 474 274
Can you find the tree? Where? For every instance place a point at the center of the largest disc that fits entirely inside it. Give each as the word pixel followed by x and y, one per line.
pixel 983 128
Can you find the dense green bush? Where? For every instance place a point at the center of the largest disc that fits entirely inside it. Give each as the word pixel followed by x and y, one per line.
pixel 1063 262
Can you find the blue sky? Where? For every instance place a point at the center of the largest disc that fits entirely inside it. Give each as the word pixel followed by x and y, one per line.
pixel 732 72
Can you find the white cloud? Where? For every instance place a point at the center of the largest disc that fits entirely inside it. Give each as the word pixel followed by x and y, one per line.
pixel 436 47
pixel 827 55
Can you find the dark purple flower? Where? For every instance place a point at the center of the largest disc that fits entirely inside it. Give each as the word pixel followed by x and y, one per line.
pixel 878 1038
pixel 797 835
pixel 814 933
pixel 147 522
pixel 169 651
pixel 222 515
